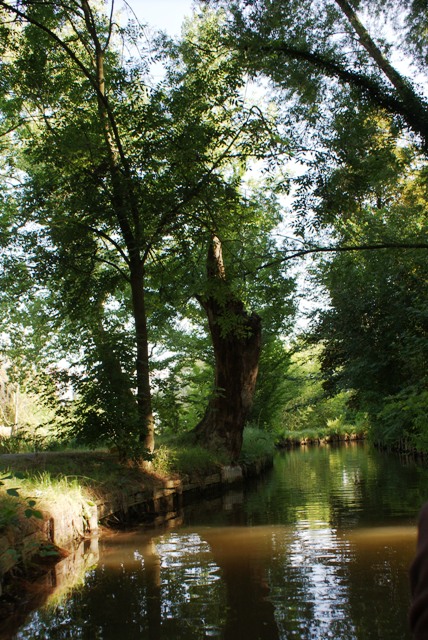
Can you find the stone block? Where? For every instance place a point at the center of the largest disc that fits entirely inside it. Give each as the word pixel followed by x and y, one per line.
pixel 232 498
pixel 231 474
pixel 30 545
pixel 92 519
pixel 215 478
pixel 191 486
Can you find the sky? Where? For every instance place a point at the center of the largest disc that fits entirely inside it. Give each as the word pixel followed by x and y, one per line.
pixel 167 15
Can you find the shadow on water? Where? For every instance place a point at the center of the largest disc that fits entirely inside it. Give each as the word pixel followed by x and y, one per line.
pixel 55 585
pixel 319 548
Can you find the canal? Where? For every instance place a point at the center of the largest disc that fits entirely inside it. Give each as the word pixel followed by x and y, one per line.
pixel 318 548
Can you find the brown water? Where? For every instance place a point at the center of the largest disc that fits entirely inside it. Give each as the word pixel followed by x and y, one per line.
pixel 319 548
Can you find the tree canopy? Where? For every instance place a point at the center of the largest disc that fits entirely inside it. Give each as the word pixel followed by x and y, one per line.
pixel 147 227
pixel 119 187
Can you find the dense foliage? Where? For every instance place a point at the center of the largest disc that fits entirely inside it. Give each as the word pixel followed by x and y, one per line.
pixel 358 123
pixel 375 331
pixel 115 190
pixel 146 227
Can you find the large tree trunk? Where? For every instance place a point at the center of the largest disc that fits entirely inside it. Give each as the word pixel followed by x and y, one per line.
pixel 236 339
pixel 144 399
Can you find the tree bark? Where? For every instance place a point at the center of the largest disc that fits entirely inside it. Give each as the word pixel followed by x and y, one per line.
pixel 236 339
pixel 144 398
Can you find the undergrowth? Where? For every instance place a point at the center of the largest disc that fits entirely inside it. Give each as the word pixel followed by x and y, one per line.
pixel 256 444
pixel 174 457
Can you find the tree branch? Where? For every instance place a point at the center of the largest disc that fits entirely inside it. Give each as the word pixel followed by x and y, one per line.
pixel 300 253
pixel 105 236
pixel 412 108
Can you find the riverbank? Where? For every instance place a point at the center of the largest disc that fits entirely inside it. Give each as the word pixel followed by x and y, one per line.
pixel 51 500
pixel 301 439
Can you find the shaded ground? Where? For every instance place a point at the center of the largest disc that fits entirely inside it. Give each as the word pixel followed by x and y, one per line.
pixel 101 473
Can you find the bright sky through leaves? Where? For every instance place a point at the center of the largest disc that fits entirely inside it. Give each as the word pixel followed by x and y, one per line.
pixel 167 15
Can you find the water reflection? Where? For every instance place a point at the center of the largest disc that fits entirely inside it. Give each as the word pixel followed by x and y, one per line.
pixel 243 555
pixel 58 584
pixel 318 549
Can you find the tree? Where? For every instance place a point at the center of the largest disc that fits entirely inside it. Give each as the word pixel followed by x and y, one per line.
pixel 374 332
pixel 113 176
pixel 229 293
pixel 65 56
pixel 348 105
pixel 237 352
pixel 297 44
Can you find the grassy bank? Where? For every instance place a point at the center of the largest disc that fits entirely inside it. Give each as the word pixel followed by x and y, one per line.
pixel 34 480
pixel 319 436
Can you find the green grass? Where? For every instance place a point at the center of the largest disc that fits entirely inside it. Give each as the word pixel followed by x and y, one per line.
pixel 257 444
pixel 90 476
pixel 68 477
pixel 326 434
pixel 176 455
pixel 25 495
pixel 76 476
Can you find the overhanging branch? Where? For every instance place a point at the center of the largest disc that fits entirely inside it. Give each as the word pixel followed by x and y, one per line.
pixel 291 254
pixel 407 104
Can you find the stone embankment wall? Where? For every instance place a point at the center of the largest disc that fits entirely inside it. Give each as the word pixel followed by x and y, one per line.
pixel 20 544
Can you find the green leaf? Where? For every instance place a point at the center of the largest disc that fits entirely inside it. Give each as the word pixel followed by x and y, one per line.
pixel 33 513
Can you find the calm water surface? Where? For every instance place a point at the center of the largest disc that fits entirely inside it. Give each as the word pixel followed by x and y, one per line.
pixel 319 548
